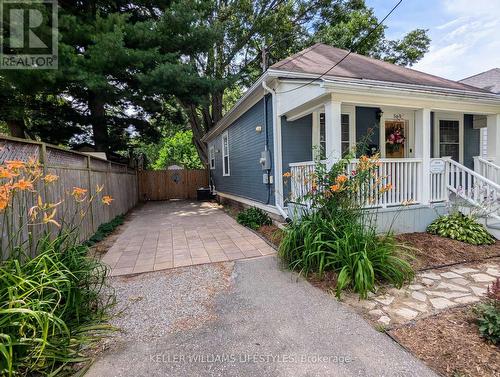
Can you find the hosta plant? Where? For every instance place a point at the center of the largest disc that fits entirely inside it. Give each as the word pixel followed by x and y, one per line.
pixel 458 226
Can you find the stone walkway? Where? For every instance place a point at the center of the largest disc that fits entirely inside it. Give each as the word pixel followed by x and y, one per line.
pixel 430 292
pixel 164 235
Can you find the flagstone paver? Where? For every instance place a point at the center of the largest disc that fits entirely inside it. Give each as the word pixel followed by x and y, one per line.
pixel 430 292
pixel 164 235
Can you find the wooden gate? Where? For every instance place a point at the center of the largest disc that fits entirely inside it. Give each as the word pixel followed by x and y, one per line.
pixel 171 184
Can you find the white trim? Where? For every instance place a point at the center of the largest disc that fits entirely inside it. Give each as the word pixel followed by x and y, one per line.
pixel 224 155
pixel 397 87
pixel 250 202
pixel 406 115
pixel 459 117
pixel 316 133
pixel 349 110
pixel 211 154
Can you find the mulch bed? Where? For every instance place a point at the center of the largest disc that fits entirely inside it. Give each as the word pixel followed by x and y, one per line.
pixel 433 251
pixel 450 344
pixel 271 233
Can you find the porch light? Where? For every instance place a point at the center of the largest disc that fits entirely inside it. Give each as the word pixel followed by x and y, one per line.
pixel 379 114
pixel 258 129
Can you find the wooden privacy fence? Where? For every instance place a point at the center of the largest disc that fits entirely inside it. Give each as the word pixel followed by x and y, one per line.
pixel 171 184
pixel 76 169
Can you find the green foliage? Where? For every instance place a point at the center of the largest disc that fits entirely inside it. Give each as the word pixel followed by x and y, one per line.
pixel 343 243
pixel 105 230
pixel 458 226
pixel 489 321
pixel 180 150
pixel 253 218
pixel 51 307
pixel 339 235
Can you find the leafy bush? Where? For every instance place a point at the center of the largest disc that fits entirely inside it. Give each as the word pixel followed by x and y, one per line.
pixel 489 314
pixel 458 226
pixel 253 218
pixel 105 230
pixel 339 235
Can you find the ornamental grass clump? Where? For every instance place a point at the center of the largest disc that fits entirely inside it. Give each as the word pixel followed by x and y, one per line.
pixel 338 234
pixel 53 297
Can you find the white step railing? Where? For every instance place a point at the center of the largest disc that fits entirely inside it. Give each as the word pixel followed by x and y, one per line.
pixel 402 174
pixel 487 169
pixel 473 187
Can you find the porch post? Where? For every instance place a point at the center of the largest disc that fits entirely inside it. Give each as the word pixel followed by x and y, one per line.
pixel 333 132
pixel 423 151
pixel 493 124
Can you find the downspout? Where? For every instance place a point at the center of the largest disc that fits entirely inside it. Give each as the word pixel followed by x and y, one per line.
pixel 266 148
pixel 273 94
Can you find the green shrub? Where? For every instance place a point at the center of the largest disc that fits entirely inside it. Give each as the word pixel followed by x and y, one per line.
pixel 458 226
pixel 489 322
pixel 253 218
pixel 489 314
pixel 51 306
pixel 105 230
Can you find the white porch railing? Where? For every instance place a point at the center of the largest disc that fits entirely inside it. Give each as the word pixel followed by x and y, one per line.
pixel 487 169
pixel 402 174
pixel 473 187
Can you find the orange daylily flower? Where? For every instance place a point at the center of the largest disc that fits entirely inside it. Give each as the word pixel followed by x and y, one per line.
pixel 79 192
pixel 335 188
pixel 49 178
pixel 22 185
pixel 15 165
pixel 7 174
pixel 341 179
pixel 386 188
pixel 106 199
pixel 4 197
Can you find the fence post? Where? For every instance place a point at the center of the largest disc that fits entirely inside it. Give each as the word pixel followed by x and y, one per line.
pixel 42 158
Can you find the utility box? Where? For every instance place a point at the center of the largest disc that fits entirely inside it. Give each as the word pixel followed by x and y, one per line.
pixel 265 160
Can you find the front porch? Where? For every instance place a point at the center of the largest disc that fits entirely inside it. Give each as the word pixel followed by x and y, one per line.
pixel 427 154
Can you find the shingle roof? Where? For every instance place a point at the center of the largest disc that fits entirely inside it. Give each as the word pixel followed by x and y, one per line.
pixel 489 80
pixel 318 58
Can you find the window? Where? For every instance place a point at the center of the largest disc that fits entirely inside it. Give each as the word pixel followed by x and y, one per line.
pixel 322 136
pixel 344 137
pixel 449 139
pixel 225 154
pixel 211 154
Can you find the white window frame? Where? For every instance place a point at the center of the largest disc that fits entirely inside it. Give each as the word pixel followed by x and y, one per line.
pixel 316 130
pixel 437 137
pixel 211 153
pixel 225 135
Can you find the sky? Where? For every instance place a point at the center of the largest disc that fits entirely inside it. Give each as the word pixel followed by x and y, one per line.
pixel 465 34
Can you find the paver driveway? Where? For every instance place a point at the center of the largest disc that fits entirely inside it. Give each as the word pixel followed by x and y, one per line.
pixel 170 234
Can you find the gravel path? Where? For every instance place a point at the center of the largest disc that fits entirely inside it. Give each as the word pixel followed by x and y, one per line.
pixel 246 318
pixel 155 304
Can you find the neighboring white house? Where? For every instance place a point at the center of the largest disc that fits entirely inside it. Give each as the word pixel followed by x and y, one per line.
pixel 308 100
pixel 488 80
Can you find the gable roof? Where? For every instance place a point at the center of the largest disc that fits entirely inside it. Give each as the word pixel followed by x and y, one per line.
pixel 319 58
pixel 489 80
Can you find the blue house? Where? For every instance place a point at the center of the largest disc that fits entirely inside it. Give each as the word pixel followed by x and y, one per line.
pixel 308 103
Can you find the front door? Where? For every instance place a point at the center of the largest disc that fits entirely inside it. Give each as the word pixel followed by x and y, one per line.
pixel 395 132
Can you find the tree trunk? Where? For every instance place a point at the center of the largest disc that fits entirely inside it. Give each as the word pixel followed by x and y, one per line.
pixel 17 128
pixel 99 124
